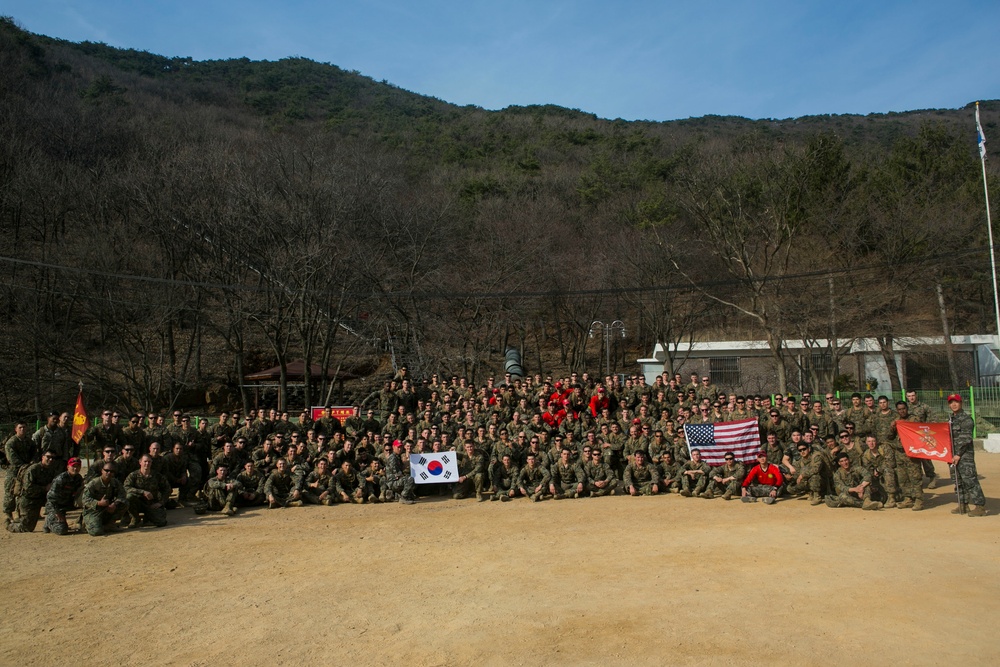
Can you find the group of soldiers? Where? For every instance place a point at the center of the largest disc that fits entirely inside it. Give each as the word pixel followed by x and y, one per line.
pixel 532 437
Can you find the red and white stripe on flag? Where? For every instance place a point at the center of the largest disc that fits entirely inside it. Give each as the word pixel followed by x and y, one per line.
pixel 742 438
pixel 926 441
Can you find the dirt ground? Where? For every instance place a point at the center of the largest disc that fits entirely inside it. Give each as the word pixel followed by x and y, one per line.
pixel 577 582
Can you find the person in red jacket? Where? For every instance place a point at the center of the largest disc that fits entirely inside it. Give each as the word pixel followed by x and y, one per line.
pixel 553 415
pixel 764 481
pixel 598 402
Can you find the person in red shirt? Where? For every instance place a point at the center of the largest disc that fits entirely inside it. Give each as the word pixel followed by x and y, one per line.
pixel 764 481
pixel 598 402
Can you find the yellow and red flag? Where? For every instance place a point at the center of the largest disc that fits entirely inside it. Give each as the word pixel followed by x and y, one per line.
pixel 79 420
pixel 926 441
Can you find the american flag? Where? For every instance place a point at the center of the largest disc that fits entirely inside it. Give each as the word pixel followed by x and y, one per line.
pixel 742 438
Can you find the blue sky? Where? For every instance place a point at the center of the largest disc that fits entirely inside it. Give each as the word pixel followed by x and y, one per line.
pixel 633 60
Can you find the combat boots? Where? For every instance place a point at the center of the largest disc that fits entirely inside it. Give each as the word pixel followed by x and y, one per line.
pixel 961 509
pixel 889 504
pixel 871 505
pixel 833 501
pixel 977 510
pixel 815 499
pixel 905 505
pixel 727 495
pixel 918 504
pixel 228 510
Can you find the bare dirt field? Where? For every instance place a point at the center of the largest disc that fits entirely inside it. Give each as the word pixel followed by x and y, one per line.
pixel 664 580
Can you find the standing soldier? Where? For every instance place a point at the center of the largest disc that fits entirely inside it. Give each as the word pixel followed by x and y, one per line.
pixel 105 434
pixel 52 437
pixel 34 486
pixel 922 412
pixel 970 493
pixel 909 471
pixel 881 464
pixel 21 453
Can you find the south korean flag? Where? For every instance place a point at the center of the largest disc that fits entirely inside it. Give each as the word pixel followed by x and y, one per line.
pixel 436 468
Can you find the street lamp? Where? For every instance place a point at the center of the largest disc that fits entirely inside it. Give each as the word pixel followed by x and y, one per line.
pixel 615 328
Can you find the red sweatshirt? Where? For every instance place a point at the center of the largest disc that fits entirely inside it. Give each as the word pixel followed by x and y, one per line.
pixel 769 477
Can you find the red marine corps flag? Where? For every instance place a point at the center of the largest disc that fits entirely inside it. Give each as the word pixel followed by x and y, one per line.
pixel 925 441
pixel 79 419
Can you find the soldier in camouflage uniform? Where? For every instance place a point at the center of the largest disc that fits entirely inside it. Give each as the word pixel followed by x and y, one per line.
pixel 966 475
pixel 104 502
pixel 279 489
pixel 252 482
pixel 694 475
pixel 642 477
pixel 880 461
pixel 61 498
pixel 503 479
pixel 221 492
pixel 922 414
pixel 35 481
pixel 909 471
pixel 105 434
pixel 21 453
pixel 398 481
pixel 566 478
pixel 860 415
pixel 534 478
pixel 350 485
pixel 472 474
pixel 851 486
pixel 808 475
pixel 726 479
pixel 318 488
pixel 175 469
pixel 52 437
pixel 670 473
pixel 601 479
pixel 147 493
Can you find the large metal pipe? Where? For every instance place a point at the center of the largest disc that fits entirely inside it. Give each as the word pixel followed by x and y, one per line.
pixel 512 362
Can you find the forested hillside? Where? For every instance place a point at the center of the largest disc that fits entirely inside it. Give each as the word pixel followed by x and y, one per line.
pixel 170 225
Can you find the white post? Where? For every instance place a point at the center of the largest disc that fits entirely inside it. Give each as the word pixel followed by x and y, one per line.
pixel 989 222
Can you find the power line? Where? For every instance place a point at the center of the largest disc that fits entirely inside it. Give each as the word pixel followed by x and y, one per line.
pixel 435 296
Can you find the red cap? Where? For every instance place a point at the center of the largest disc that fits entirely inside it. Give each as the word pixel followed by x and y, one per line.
pixel 397 443
pixel 558 385
pixel 74 463
pixel 954 397
pixel 600 390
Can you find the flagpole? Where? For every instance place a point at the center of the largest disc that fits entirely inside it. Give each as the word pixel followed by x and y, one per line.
pixel 989 222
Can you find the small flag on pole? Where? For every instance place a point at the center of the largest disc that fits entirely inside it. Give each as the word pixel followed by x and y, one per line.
pixel 434 468
pixel 79 420
pixel 982 137
pixel 926 441
pixel 742 438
